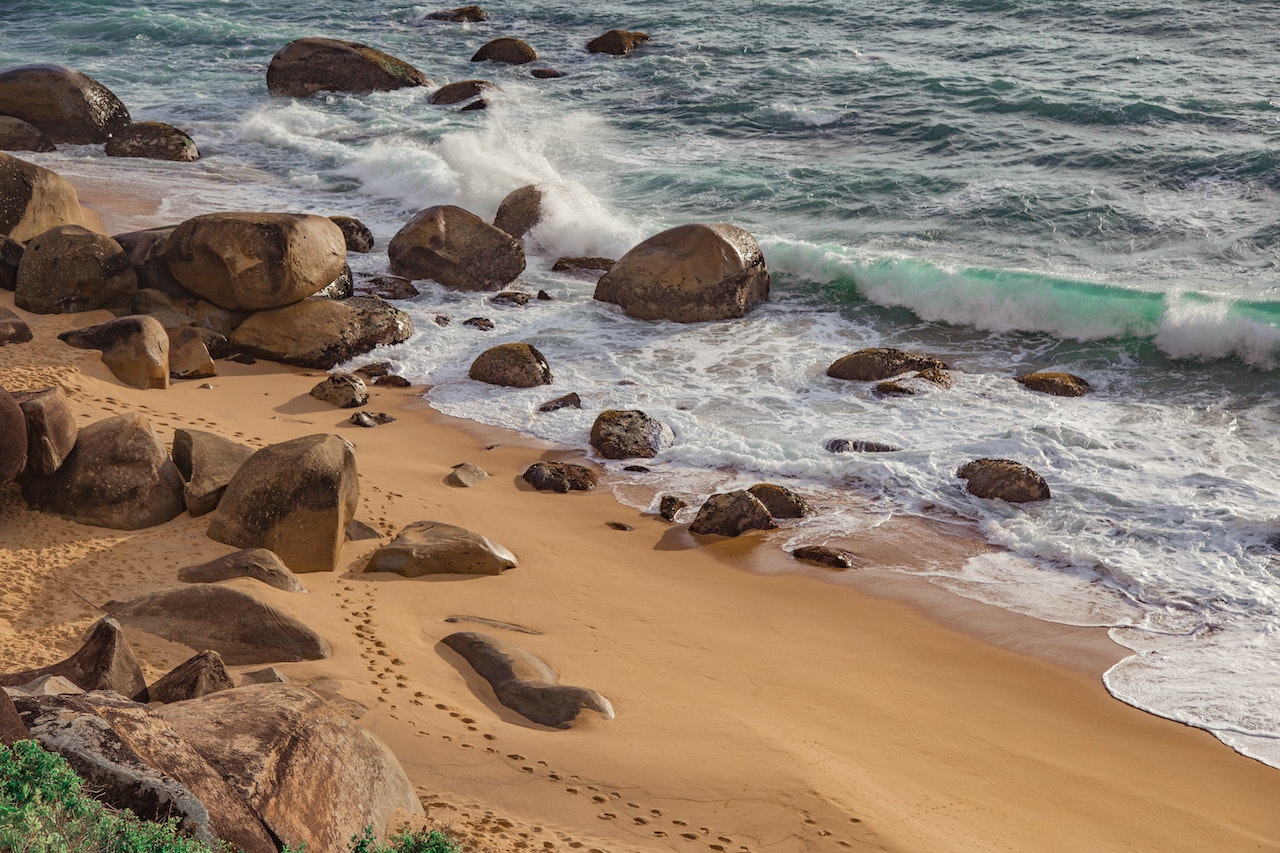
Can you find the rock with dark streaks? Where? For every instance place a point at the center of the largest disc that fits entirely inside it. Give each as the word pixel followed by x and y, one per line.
pixel 257 563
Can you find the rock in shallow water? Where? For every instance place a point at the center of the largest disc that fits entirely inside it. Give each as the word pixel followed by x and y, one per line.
pixel 1005 479
pixel 308 65
pixel 732 514
pixel 629 434
pixel 560 477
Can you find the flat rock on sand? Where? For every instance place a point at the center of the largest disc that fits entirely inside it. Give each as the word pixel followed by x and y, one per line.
pixel 233 623
pixel 257 563
pixel 524 683
pixel 104 662
pixel 431 547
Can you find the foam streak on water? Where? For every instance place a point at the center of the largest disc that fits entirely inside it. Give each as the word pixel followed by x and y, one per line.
pixel 1008 185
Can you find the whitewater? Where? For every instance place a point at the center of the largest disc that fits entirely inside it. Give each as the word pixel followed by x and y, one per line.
pixel 1090 187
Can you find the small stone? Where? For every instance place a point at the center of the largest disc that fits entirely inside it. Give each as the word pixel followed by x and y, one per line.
pixel 441 320
pixel 466 475
pixel 670 505
pixel 845 445
pixel 484 324
pixel 510 297
pixel 392 382
pixel 371 419
pixel 546 73
pixel 344 390
pixel 1056 383
pixel 618 525
pixel 568 401
pixel 638 469
pixel 358 531
pixel 834 558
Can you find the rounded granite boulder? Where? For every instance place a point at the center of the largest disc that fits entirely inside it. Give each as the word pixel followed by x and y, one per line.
pixel 516 365
pixel 66 105
pixel 1004 479
pixel 308 65
pixel 153 140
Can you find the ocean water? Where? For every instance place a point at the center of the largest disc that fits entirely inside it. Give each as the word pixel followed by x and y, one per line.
pixel 1009 185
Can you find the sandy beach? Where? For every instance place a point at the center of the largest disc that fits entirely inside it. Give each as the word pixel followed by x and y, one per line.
pixel 757 710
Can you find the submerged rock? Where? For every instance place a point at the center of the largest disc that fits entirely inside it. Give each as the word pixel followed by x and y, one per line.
pixel 515 365
pixel 617 42
pixel 509 51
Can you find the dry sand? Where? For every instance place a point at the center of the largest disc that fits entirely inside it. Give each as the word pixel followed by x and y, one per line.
pixel 755 711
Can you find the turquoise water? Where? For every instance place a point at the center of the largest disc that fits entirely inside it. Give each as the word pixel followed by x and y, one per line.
pixel 1088 186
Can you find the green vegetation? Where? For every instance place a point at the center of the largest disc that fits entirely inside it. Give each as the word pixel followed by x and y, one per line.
pixel 44 809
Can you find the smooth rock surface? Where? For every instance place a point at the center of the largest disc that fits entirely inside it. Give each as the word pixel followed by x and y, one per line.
pixel 257 563
pixel 320 333
pixel 466 475
pixel 34 199
pixel 69 268
pixel 617 42
pixel 431 547
pixel 506 50
pixel 207 462
pixel 519 211
pixel 51 428
pixel 135 348
pixel 195 677
pixel 66 105
pixel 189 356
pixel 18 135
pixel 103 662
pixel 308 65
pixel 457 249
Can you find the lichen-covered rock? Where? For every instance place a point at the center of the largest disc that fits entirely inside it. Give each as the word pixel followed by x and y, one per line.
pixel 629 434
pixel 344 390
pixel 560 477
pixel 431 547
pixel 13 438
pixel 878 363
pixel 1056 383
pixel 320 333
pixel 207 462
pixel 308 65
pixel 255 261
pixel 689 274
pixel 66 105
pixel 18 135
pixel 153 140
pixel 515 365
pixel 1004 479
pixel 135 348
pixel 732 514
pixel 524 683
pixel 51 428
pixel 519 211
pixel 233 623
pixel 462 90
pixel 358 237
pixel 195 677
pixel 457 249
pixel 509 51
pixel 617 42
pixel 119 475
pixel 103 662
pixel 69 268
pixel 294 498
pixel 34 199
pixel 257 563
pixel 780 501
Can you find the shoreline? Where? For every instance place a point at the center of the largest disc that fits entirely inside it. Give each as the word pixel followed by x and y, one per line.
pixel 756 709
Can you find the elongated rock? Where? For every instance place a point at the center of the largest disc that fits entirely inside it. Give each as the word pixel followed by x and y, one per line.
pixel 320 333
pixel 432 547
pixel 878 363
pixel 103 662
pixel 257 563
pixel 308 65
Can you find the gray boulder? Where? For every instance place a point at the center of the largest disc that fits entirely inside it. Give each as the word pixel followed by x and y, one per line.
pixel 34 199
pixel 153 140
pixel 207 463
pixel 294 498
pixel 519 211
pixel 516 365
pixel 732 514
pixel 257 563
pixel 689 274
pixel 629 434
pixel 457 249
pixel 1004 479
pixel 879 363
pixel 135 348
pixel 69 268
pixel 344 390
pixel 560 477
pixel 524 683
pixel 51 428
pixel 195 677
pixel 66 105
pixel 431 547
pixel 233 623
pixel 118 476
pixel 103 662
pixel 17 135
pixel 313 775
pixel 319 333
pixel 308 65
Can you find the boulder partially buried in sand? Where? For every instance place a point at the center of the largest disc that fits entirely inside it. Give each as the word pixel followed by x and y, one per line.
pixel 320 333
pixel 153 140
pixel 103 662
pixel 294 498
pixel 457 249
pixel 119 475
pixel 34 199
pixel 1004 479
pixel 689 274
pixel 255 261
pixel 257 563
pixel 629 434
pixel 13 329
pixel 515 365
pixel 135 348
pixel 51 428
pixel 432 547
pixel 207 462
pixel 233 623
pixel 308 65
pixel 313 775
pixel 69 268
pixel 524 683
pixel 732 514
pixel 66 105
pixel 878 363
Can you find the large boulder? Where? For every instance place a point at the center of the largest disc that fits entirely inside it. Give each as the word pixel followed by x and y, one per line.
pixel 253 261
pixel 13 329
pixel 133 759
pixel 144 252
pixel 1054 382
pixel 519 211
pixel 257 563
pixel 34 199
pixel 525 683
pixel 732 514
pixel 313 775
pixel 67 105
pixel 10 254
pixel 70 268
pixel 629 434
pixel 207 462
pixel 344 390
pixel 135 348
pixel 13 438
pixel 51 428
pixel 878 363
pixel 320 333
pixel 118 476
pixel 232 623
pixel 197 676
pixel 1004 479
pixel 507 50
pixel 617 42
pixel 456 248
pixel 689 274
pixel 432 547
pixel 103 662
pixel 308 65
pixel 517 365
pixel 17 135
pixel 294 498
pixel 153 140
